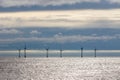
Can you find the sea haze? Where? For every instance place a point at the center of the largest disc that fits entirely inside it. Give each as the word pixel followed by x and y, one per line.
pixel 56 53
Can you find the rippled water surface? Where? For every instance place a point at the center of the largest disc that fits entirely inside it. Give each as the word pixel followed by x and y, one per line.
pixel 60 69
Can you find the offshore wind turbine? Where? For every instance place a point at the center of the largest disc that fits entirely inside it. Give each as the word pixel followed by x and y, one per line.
pixel 95 52
pixel 47 49
pixel 19 50
pixel 25 51
pixel 61 53
pixel 81 52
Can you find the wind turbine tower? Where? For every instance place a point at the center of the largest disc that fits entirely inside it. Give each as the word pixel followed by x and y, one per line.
pixel 95 52
pixel 19 52
pixel 81 52
pixel 25 51
pixel 61 53
pixel 47 55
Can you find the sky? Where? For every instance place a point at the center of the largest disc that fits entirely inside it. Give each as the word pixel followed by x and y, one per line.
pixel 67 24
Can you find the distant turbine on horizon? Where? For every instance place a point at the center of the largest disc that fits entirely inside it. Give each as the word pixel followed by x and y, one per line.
pixel 61 53
pixel 47 49
pixel 81 52
pixel 95 52
pixel 25 48
pixel 19 50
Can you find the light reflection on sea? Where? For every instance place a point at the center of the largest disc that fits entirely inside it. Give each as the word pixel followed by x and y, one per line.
pixel 60 68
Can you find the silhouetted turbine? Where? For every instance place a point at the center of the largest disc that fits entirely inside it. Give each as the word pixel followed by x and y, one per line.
pixel 47 49
pixel 19 52
pixel 95 52
pixel 61 53
pixel 25 51
pixel 82 52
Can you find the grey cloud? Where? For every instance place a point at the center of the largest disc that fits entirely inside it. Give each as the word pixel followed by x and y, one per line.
pixel 62 39
pixel 114 1
pixel 10 31
pixel 12 3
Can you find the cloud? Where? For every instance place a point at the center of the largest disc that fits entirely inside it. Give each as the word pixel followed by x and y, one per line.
pixel 18 3
pixel 62 19
pixel 62 39
pixel 114 1
pixel 35 32
pixel 28 3
pixel 10 31
pixel 58 35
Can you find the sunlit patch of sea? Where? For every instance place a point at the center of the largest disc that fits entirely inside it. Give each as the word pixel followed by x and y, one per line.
pixel 67 68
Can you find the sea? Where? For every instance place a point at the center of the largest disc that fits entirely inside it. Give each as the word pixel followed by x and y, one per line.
pixel 56 68
pixel 69 66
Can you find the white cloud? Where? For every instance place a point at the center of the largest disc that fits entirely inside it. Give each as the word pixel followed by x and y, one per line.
pixel 62 39
pixel 12 3
pixel 10 31
pixel 62 19
pixel 35 32
pixel 58 35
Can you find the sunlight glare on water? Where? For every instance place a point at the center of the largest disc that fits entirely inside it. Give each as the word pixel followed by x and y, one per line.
pixel 59 69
